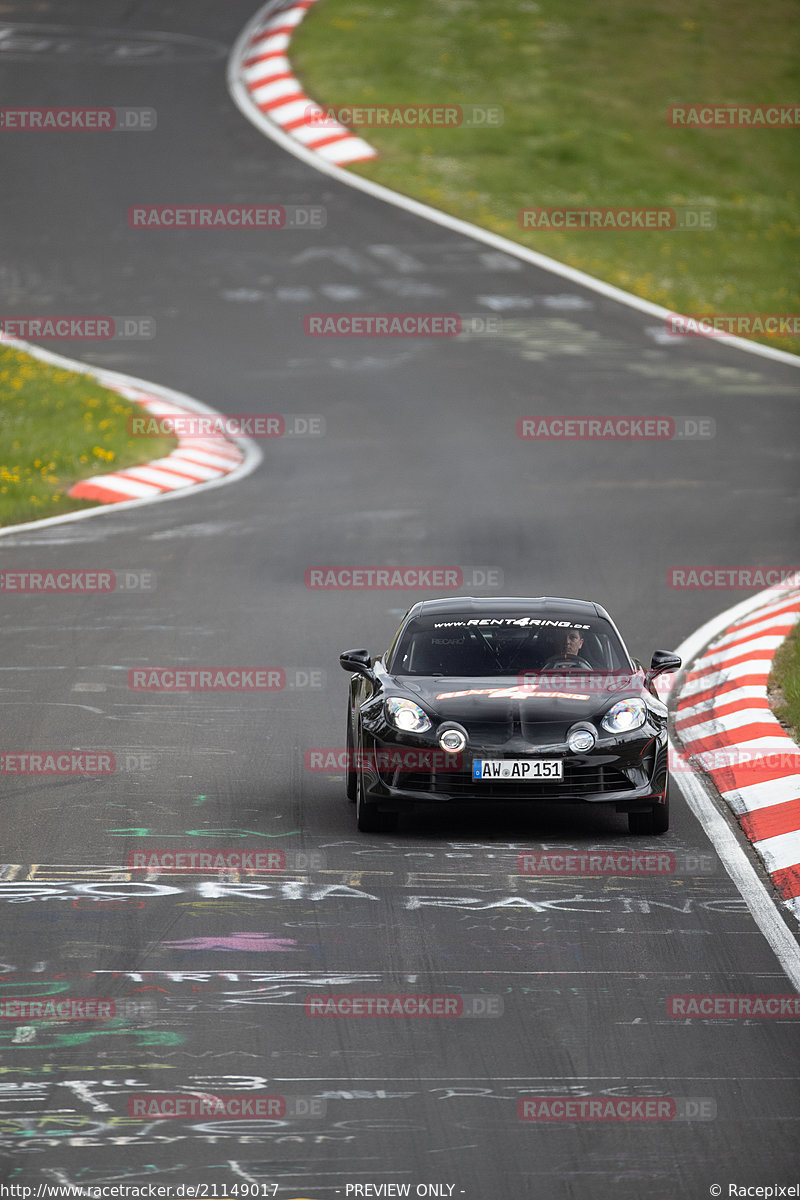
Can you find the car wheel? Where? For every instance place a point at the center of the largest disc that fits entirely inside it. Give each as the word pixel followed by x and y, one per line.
pixel 653 822
pixel 350 770
pixel 368 818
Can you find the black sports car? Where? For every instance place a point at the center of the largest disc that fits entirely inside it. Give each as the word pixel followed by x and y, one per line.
pixel 524 699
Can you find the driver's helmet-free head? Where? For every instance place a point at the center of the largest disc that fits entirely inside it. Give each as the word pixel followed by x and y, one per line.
pixel 573 642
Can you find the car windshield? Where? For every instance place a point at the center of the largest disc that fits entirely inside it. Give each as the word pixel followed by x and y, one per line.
pixel 455 645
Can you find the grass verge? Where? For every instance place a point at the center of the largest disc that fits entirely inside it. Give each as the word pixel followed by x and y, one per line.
pixel 784 684
pixel 585 89
pixel 59 426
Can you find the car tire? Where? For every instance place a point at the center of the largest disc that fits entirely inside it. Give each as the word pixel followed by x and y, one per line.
pixel 350 770
pixel 369 818
pixel 653 822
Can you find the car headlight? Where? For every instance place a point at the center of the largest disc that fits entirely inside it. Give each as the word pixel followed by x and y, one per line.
pixel 452 740
pixel 406 715
pixel 581 741
pixel 625 716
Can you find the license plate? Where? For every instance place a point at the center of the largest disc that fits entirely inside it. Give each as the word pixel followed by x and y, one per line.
pixel 515 770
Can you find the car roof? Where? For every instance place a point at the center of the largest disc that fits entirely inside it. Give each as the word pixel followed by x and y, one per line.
pixel 492 605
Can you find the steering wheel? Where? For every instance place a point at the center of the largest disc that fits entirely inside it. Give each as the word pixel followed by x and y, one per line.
pixel 572 663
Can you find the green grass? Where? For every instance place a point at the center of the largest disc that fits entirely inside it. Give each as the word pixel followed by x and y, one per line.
pixel 784 683
pixel 585 88
pixel 57 427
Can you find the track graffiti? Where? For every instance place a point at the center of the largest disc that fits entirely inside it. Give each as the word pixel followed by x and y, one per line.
pixel 233 832
pixel 25 892
pixel 58 1041
pixel 534 900
pixel 252 942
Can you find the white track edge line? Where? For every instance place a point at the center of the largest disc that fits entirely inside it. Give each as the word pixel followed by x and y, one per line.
pixel 244 102
pixel 253 455
pixel 763 907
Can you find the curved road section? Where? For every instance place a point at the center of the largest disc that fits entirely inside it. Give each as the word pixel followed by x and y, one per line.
pixel 189 916
pixel 201 458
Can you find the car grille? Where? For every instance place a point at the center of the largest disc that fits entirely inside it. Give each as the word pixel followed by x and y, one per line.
pixel 578 782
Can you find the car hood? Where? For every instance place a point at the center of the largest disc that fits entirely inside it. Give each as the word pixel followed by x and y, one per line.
pixel 500 701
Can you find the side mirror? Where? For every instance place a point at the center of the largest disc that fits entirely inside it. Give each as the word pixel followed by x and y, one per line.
pixel 663 660
pixel 356 661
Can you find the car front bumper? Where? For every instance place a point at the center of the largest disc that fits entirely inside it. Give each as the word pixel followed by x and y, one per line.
pixel 630 774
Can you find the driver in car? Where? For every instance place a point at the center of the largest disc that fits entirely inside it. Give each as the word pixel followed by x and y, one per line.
pixel 570 657
pixel 572 644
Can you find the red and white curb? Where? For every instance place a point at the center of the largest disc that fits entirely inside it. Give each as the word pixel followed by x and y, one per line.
pixel 198 463
pixel 265 71
pixel 196 460
pixel 726 727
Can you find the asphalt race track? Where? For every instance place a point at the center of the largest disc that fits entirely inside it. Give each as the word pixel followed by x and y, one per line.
pixel 420 464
